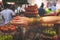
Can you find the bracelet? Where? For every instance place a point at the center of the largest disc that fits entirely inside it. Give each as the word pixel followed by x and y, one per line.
pixel 38 20
pixel 31 20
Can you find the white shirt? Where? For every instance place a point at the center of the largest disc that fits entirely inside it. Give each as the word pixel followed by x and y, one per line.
pixel 20 9
pixel 7 14
pixel 53 8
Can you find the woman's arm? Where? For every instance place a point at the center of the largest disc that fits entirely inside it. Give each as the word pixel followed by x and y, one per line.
pixel 26 21
pixel 50 19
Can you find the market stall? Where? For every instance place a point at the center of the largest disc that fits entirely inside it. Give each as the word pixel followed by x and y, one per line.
pixel 30 26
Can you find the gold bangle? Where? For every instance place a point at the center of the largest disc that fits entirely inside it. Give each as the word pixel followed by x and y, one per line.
pixel 31 20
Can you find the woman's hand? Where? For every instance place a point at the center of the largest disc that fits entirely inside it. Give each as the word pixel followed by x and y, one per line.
pixel 20 21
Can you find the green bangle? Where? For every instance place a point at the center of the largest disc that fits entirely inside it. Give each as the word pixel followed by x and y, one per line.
pixel 38 20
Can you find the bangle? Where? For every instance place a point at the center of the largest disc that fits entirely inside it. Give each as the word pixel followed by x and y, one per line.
pixel 31 20
pixel 38 20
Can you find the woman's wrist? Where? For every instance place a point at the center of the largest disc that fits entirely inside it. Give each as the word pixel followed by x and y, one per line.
pixel 32 20
pixel 38 19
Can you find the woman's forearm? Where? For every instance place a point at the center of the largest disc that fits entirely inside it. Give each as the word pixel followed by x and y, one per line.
pixel 50 19
pixel 47 19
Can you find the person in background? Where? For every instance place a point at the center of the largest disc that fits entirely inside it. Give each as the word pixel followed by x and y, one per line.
pixel 18 10
pixel 7 14
pixel 48 10
pixel 53 7
pixel 41 10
